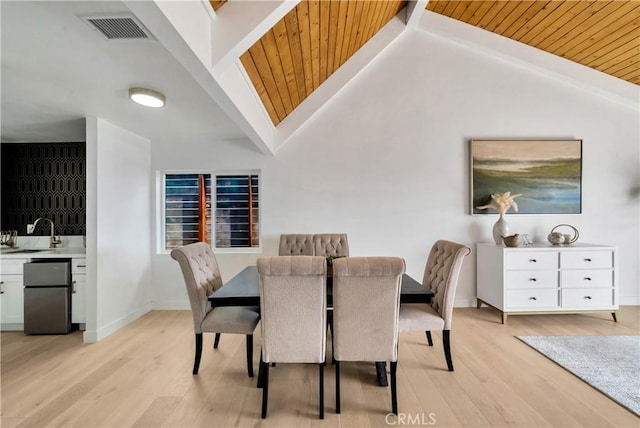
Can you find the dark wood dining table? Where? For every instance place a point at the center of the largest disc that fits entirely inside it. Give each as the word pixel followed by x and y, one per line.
pixel 244 290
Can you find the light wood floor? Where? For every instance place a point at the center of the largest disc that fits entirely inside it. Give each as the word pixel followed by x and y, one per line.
pixel 141 377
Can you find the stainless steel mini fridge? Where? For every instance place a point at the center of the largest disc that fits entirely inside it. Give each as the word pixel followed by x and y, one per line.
pixel 47 296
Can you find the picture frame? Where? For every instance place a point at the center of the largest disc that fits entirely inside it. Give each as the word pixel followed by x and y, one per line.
pixel 546 173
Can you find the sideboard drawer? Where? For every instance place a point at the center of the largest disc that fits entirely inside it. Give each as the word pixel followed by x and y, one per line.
pixel 532 299
pixel 587 297
pixel 586 278
pixel 532 260
pixel 532 279
pixel 586 260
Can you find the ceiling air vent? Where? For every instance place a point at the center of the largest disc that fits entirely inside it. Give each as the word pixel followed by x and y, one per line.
pixel 118 27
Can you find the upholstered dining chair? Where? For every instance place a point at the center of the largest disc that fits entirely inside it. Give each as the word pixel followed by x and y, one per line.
pixel 293 305
pixel 441 278
pixel 331 244
pixel 292 244
pixel 366 302
pixel 201 277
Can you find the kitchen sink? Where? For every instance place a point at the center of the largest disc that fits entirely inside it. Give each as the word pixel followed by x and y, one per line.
pixel 27 251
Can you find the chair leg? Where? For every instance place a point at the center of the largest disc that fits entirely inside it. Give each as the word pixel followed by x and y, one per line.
pixel 260 371
pixel 250 354
pixel 330 322
pixel 394 391
pixel 196 363
pixel 337 366
pixel 381 373
pixel 447 348
pixel 265 388
pixel 429 339
pixel 321 382
pixel 216 341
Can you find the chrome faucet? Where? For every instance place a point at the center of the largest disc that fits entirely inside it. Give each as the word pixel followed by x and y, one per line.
pixel 53 241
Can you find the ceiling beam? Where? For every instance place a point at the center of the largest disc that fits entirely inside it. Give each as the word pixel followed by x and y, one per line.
pixel 239 24
pixel 414 10
pixel 184 29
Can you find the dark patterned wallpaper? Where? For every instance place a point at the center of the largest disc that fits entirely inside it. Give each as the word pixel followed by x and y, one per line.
pixel 44 180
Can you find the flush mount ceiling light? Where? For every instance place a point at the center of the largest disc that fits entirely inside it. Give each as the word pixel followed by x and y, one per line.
pixel 147 97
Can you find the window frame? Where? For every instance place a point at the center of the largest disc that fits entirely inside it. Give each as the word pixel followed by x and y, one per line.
pixel 161 209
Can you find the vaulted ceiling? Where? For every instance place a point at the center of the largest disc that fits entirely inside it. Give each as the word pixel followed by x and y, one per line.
pixel 316 37
pixel 238 69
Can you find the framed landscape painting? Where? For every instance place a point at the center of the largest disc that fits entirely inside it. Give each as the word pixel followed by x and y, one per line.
pixel 548 174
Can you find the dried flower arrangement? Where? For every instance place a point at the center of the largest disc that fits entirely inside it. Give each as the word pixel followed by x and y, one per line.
pixel 502 202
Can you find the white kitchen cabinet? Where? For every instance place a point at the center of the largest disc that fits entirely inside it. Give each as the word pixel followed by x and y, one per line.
pixel 78 291
pixel 542 278
pixel 11 294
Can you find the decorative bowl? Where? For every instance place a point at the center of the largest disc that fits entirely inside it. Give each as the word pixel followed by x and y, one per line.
pixel 512 240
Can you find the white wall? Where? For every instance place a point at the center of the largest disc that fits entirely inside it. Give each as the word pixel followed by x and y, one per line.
pixel 118 230
pixel 386 161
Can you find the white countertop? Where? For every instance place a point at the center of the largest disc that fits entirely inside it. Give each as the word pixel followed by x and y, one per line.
pixel 19 253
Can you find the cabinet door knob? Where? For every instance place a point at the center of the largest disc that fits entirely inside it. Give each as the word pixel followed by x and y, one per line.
pixel 532 279
pixel 587 260
pixel 532 298
pixel 587 297
pixel 533 260
pixel 586 278
pixel 1 290
pixel 84 266
pixel 73 286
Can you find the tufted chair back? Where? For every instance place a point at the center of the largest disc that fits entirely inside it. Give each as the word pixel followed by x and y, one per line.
pixel 331 244
pixel 293 299
pixel 296 245
pixel 366 304
pixel 441 276
pixel 201 277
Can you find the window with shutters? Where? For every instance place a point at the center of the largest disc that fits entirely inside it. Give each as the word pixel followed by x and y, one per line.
pixel 221 209
pixel 237 211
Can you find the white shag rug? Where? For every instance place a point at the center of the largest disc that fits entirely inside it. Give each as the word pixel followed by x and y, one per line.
pixel 611 364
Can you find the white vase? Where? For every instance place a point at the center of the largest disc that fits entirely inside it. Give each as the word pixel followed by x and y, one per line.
pixel 500 229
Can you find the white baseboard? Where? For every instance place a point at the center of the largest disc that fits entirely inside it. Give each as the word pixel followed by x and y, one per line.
pixel 629 300
pixel 93 336
pixel 12 327
pixel 465 302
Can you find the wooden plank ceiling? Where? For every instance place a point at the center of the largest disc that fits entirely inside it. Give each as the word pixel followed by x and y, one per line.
pixel 601 34
pixel 316 37
pixel 305 47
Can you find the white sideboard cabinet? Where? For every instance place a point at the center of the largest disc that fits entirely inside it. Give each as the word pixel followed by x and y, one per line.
pixel 542 278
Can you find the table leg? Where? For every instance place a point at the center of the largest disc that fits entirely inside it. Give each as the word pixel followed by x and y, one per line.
pixel 381 373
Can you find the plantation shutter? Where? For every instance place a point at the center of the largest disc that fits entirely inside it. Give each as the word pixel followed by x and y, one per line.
pixel 187 209
pixel 237 211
